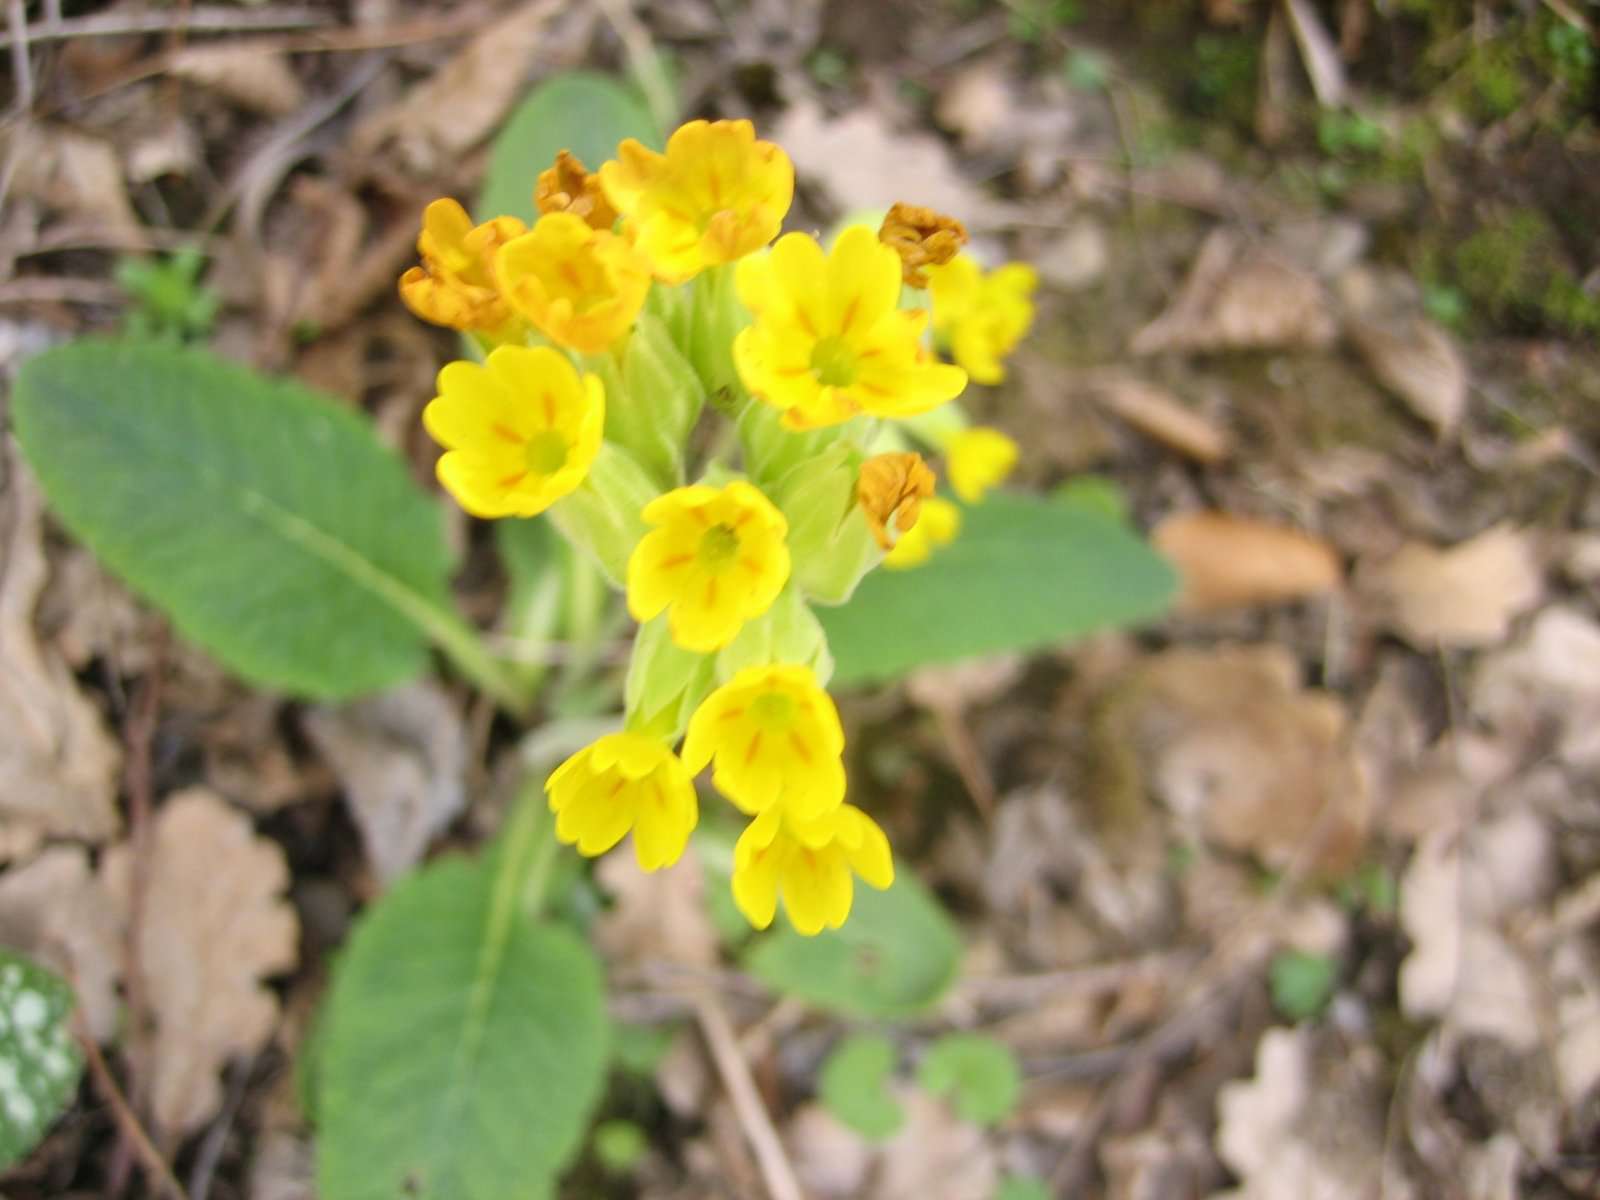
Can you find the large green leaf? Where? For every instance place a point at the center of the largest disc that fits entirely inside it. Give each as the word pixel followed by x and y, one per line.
pixel 1023 573
pixel 463 1048
pixel 39 1062
pixel 267 520
pixel 579 111
pixel 894 957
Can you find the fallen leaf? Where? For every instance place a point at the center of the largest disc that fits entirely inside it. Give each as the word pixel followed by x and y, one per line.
pixel 864 164
pixel 1155 1164
pixel 1158 414
pixel 657 915
pixel 1466 595
pixel 402 758
pixel 1240 297
pixel 1462 969
pixel 253 78
pixel 214 924
pixel 1309 1124
pixel 1548 680
pixel 934 1154
pixel 978 105
pixel 830 1159
pixel 1230 743
pixel 59 764
pixel 54 910
pixel 73 173
pixel 1226 561
pixel 1077 259
pixel 1419 362
pixel 1575 981
pixel 462 103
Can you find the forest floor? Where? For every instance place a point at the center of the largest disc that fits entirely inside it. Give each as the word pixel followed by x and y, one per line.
pixel 1293 893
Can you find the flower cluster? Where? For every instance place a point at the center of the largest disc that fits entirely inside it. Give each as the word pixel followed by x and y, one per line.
pixel 644 293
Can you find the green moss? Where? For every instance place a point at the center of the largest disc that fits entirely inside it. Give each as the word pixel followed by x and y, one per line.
pixel 1516 272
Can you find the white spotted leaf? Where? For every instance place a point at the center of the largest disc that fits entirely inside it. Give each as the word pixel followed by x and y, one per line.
pixel 39 1061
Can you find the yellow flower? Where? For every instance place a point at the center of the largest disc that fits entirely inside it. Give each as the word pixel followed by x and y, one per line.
pixel 810 865
pixel 520 431
pixel 715 559
pixel 937 526
pixel 892 487
pixel 922 238
pixel 977 459
pixel 830 340
pixel 714 196
pixel 455 284
pixel 624 781
pixel 776 739
pixel 980 314
pixel 569 187
pixel 580 287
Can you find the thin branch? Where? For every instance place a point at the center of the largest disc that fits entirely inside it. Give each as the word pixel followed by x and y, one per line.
pixel 127 1122
pixel 212 19
pixel 753 1117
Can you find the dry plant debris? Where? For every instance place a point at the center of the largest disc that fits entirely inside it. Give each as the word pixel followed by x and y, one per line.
pixel 1226 561
pixel 213 926
pixel 1420 363
pixel 59 764
pixel 1465 595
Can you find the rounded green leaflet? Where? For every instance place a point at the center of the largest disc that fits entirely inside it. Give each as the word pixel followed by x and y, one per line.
pixel 266 520
pixel 39 1061
pixel 1302 983
pixel 895 957
pixel 854 1085
pixel 980 1074
pixel 581 111
pixel 1023 572
pixel 1022 1187
pixel 463 1046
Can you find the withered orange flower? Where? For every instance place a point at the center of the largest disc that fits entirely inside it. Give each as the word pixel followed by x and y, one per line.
pixel 892 486
pixel 570 187
pixel 922 238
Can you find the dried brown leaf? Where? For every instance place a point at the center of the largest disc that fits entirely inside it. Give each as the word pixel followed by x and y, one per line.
pixel 1466 595
pixel 1226 561
pixel 1158 414
pixel 863 163
pixel 73 173
pixel 252 77
pixel 214 924
pixel 54 910
pixel 979 105
pixel 934 1154
pixel 1419 362
pixel 1230 742
pixel 1454 898
pixel 59 764
pixel 1240 297
pixel 463 102
pixel 402 758
pixel 657 915
pixel 1550 678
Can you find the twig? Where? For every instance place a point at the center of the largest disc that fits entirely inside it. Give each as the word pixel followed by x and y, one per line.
pixel 210 1153
pixel 967 758
pixel 21 66
pixel 138 735
pixel 753 1117
pixel 211 19
pixel 127 1122
pixel 43 289
pixel 1029 990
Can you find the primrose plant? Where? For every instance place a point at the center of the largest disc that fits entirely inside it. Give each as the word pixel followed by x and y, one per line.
pixel 645 291
pixel 731 426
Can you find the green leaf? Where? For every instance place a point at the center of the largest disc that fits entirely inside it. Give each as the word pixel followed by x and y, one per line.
pixel 579 111
pixel 1302 984
pixel 855 1085
pixel 619 1146
pixel 464 1047
pixel 894 957
pixel 1023 573
pixel 39 1061
pixel 267 521
pixel 980 1074
pixel 1022 1187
